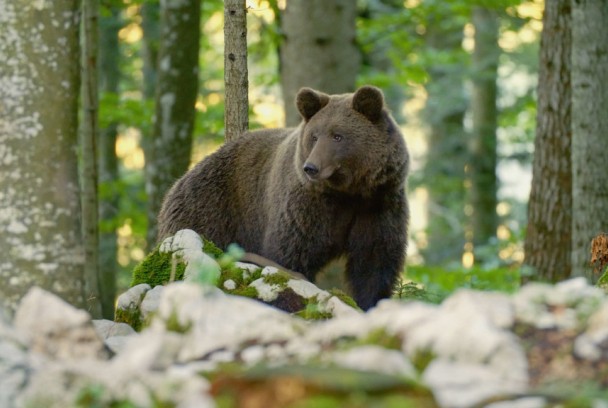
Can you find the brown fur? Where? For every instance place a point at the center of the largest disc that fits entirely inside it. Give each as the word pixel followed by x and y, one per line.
pixel 333 186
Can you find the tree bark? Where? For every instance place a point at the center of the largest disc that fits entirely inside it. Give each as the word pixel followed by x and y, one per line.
pixel 484 220
pixel 150 17
pixel 589 128
pixel 109 62
pixel 548 239
pixel 236 118
pixel 41 237
pixel 318 49
pixel 89 133
pixel 176 89
pixel 444 113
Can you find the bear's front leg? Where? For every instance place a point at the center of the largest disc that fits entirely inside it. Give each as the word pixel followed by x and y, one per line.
pixel 376 254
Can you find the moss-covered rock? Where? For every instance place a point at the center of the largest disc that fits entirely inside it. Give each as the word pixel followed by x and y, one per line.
pixel 270 285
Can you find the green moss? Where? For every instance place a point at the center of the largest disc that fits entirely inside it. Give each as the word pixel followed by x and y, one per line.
pixel 602 282
pixel 344 298
pixel 380 337
pixel 132 317
pixel 211 249
pixel 280 279
pixel 422 359
pixel 155 269
pixel 173 324
pixel 312 311
pixel 245 291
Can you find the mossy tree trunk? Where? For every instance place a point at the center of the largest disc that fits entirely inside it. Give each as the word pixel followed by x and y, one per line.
pixel 589 129
pixel 168 155
pixel 548 238
pixel 484 184
pixel 318 49
pixel 41 237
pixel 236 118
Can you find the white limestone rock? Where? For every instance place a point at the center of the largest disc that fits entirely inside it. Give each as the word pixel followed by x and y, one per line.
pixel 151 301
pixel 14 363
pixel 462 333
pixel 187 245
pixel 374 358
pixel 565 305
pixel 132 298
pixel 56 328
pixel 213 322
pixel 460 384
pixel 266 291
pixel 593 343
pixel 108 328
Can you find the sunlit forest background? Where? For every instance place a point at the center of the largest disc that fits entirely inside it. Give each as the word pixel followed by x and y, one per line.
pixel 419 52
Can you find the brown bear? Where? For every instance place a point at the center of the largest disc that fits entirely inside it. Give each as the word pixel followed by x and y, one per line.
pixel 333 186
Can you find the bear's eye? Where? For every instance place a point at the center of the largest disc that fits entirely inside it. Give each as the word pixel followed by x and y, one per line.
pixel 314 138
pixel 337 137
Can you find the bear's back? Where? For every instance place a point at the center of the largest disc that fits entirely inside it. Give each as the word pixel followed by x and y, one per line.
pixel 222 197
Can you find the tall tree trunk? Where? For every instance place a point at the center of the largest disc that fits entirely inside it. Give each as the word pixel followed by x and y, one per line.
pixel 236 118
pixel 589 128
pixel 89 133
pixel 41 238
pixel 444 113
pixel 484 220
pixel 318 50
pixel 150 24
pixel 548 239
pixel 176 89
pixel 109 60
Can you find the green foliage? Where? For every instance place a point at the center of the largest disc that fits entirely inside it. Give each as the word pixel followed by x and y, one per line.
pixel 440 282
pixel 94 396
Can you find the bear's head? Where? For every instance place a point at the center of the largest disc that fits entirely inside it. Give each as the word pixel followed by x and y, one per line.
pixel 349 142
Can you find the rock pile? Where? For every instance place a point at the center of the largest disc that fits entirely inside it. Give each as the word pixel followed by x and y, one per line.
pixel 201 346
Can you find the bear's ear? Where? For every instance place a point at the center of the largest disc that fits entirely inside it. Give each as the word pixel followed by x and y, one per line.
pixel 309 102
pixel 369 101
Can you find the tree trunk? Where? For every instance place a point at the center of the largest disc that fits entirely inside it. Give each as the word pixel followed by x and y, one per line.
pixel 176 89
pixel 589 128
pixel 89 133
pixel 484 220
pixel 150 16
pixel 318 49
pixel 109 60
pixel 236 118
pixel 444 113
pixel 548 239
pixel 41 238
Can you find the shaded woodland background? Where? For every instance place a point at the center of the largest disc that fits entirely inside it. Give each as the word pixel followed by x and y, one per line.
pixel 492 98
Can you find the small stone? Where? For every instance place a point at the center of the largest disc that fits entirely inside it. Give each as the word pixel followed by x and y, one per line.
pixel 269 270
pixel 229 284
pixel 266 291
pixel 253 355
pixel 150 302
pixel 305 289
pixel 375 358
pixel 108 328
pixel 132 298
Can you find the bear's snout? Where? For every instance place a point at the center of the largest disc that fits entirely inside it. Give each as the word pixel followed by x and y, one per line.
pixel 311 170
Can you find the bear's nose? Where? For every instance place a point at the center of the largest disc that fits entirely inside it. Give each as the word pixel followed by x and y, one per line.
pixel 311 169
